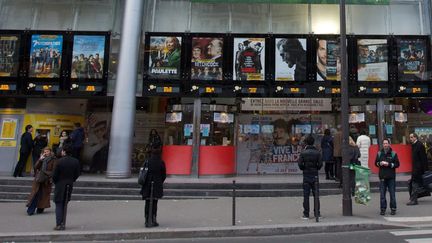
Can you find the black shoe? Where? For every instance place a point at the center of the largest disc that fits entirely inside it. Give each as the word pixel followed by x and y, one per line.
pixel 327 178
pixel 393 212
pixel 59 227
pixel 382 212
pixel 305 216
pixel 411 203
pixel 40 210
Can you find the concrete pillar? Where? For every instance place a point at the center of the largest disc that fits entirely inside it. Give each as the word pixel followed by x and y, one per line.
pixel 123 115
pixel 196 137
pixel 380 119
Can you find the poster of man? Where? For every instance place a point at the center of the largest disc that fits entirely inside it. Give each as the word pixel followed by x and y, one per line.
pixel 45 56
pixel 290 59
pixel 372 60
pixel 87 56
pixel 207 56
pixel 9 52
pixel 328 60
pixel 249 54
pixel 412 59
pixel 165 56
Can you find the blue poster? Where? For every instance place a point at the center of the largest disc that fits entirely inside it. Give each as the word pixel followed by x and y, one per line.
pixel 45 56
pixel 372 130
pixel 88 56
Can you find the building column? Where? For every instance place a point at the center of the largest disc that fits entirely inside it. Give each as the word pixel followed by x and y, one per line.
pixel 380 119
pixel 196 137
pixel 123 115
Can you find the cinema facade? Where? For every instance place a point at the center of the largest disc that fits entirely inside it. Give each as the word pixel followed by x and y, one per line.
pixel 232 87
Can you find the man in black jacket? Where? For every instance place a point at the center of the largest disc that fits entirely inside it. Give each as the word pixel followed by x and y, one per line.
pixel 310 163
pixel 419 166
pixel 66 172
pixel 387 161
pixel 25 150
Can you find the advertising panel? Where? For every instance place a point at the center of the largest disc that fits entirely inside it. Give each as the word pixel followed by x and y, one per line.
pixel 372 60
pixel 165 56
pixel 87 56
pixel 207 58
pixel 249 63
pixel 9 53
pixel 45 56
pixel 412 59
pixel 328 60
pixel 290 59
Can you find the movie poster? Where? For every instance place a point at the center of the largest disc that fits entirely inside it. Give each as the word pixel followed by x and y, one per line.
pixel 165 56
pixel 9 53
pixel 45 56
pixel 88 57
pixel 412 59
pixel 290 59
pixel 249 54
pixel 207 58
pixel 372 60
pixel 328 60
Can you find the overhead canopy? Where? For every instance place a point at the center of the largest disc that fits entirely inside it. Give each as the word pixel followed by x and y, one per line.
pixel 360 2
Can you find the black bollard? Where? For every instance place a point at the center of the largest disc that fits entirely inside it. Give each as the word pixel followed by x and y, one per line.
pixel 151 205
pixel 67 190
pixel 234 203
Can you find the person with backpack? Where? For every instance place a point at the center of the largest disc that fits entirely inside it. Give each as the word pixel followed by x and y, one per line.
pixel 387 161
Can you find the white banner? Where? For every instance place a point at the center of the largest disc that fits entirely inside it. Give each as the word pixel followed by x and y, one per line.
pixel 286 104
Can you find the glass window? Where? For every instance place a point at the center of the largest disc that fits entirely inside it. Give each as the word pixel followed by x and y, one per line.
pixel 325 18
pixel 16 14
pixel 250 18
pixel 290 18
pixel 405 19
pixel 55 16
pixel 210 17
pixel 367 19
pixel 97 15
pixel 171 15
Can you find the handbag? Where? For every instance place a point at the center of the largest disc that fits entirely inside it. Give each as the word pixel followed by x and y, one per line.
pixel 142 176
pixel 42 177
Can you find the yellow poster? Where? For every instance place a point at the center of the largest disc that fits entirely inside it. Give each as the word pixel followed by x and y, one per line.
pixel 8 143
pixel 8 130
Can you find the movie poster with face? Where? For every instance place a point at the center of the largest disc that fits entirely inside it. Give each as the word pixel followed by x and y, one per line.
pixel 328 60
pixel 9 53
pixel 412 59
pixel 87 57
pixel 207 58
pixel 165 56
pixel 45 56
pixel 372 60
pixel 249 54
pixel 290 59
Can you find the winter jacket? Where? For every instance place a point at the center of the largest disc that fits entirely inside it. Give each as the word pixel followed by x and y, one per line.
pixel 327 148
pixel 364 142
pixel 310 161
pixel 387 172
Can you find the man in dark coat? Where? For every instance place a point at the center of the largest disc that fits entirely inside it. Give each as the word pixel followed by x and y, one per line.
pixel 419 166
pixel 310 163
pixel 25 150
pixel 387 161
pixel 156 174
pixel 66 172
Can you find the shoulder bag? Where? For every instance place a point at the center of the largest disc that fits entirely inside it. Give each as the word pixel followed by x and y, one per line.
pixel 143 173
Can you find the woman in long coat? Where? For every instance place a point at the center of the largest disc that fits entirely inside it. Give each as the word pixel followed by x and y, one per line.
pixel 40 195
pixel 354 155
pixel 327 154
pixel 156 174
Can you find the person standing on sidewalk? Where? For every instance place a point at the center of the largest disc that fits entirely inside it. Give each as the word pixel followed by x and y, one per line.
pixel 25 150
pixel 66 172
pixel 327 154
pixel 364 142
pixel 310 163
pixel 387 161
pixel 77 139
pixel 419 166
pixel 354 155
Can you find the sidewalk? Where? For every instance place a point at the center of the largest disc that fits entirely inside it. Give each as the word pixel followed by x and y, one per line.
pixel 117 220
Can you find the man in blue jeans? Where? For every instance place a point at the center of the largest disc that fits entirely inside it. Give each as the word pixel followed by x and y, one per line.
pixel 387 161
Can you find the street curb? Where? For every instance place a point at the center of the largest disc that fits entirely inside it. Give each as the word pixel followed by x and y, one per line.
pixel 202 232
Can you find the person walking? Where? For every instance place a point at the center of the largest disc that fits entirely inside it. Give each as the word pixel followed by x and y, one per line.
pixel 354 155
pixel 66 172
pixel 364 142
pixel 25 150
pixel 310 163
pixel 327 154
pixel 419 166
pixel 39 143
pixel 387 161
pixel 41 187
pixel 156 176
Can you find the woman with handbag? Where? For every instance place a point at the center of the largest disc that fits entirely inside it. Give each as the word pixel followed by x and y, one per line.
pixel 152 188
pixel 41 187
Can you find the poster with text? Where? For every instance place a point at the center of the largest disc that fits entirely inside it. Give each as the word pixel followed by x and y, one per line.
pixel 328 60
pixel 249 62
pixel 290 59
pixel 45 56
pixel 412 59
pixel 372 60
pixel 165 56
pixel 88 57
pixel 9 53
pixel 207 58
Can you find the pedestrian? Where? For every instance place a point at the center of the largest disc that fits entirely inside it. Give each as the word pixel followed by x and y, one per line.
pixel 310 163
pixel 337 153
pixel 77 139
pixel 387 161
pixel 41 186
pixel 364 142
pixel 354 155
pixel 25 151
pixel 419 166
pixel 66 172
pixel 156 175
pixel 327 154
pixel 39 143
